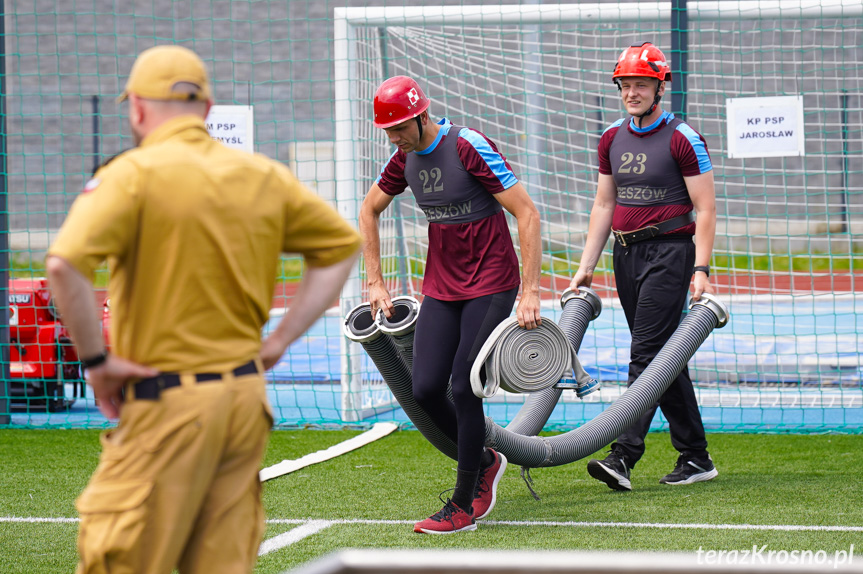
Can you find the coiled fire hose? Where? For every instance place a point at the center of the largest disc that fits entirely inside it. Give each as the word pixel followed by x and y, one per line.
pixel 524 361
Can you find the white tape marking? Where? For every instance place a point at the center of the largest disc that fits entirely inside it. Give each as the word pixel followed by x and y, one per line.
pixel 292 536
pixel 378 430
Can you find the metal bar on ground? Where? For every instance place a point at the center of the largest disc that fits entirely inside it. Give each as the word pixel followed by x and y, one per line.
pixel 367 561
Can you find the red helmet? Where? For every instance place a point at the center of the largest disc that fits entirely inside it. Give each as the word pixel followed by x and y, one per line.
pixel 642 60
pixel 398 99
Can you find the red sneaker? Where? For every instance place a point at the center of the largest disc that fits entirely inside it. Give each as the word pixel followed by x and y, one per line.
pixel 450 519
pixel 485 494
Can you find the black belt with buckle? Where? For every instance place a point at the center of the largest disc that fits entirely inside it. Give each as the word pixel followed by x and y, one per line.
pixel 627 238
pixel 150 389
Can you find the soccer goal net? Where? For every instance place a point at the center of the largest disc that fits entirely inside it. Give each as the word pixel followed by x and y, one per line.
pixel 536 78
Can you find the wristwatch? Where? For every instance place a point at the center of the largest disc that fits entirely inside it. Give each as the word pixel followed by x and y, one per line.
pixel 90 362
pixel 704 268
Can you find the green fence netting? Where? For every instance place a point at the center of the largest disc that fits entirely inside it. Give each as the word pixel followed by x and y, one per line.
pixel 535 77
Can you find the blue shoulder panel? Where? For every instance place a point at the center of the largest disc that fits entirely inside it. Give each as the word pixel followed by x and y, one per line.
pixel 492 158
pixel 385 165
pixel 616 124
pixel 704 163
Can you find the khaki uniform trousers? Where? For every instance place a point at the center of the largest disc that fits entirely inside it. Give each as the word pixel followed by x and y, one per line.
pixel 177 483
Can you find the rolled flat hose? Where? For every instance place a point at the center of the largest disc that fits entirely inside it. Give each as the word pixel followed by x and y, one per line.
pixel 579 309
pixel 524 361
pixel 362 328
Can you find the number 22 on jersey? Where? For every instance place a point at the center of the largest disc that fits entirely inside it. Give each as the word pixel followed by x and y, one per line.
pixel 432 180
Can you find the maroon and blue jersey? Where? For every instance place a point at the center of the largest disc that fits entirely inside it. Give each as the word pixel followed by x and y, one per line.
pixel 454 182
pixel 648 166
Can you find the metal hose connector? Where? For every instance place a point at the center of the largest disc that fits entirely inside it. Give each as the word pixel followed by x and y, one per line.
pixel 714 304
pixel 585 293
pixel 360 326
pixel 405 312
pixel 401 325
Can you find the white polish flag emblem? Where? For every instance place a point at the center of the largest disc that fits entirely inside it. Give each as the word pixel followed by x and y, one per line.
pixel 413 96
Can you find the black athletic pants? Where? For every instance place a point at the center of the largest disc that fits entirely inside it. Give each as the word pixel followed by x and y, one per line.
pixel 653 279
pixel 448 337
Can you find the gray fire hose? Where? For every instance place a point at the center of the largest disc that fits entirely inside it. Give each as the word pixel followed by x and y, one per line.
pixel 362 328
pixel 533 451
pixel 392 356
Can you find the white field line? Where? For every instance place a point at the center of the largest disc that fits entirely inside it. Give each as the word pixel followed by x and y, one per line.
pixel 292 536
pixel 35 520
pixel 306 528
pixel 529 523
pixel 315 526
pixel 574 524
pixel 696 526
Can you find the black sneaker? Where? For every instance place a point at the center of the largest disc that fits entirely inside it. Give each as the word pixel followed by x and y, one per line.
pixel 612 471
pixel 689 470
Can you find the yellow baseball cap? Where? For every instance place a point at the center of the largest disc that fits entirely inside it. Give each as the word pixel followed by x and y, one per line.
pixel 158 70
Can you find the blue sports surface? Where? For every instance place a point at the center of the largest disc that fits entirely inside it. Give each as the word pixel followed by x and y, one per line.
pixel 781 364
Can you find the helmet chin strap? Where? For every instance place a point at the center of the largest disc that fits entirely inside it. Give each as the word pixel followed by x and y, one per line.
pixel 419 126
pixel 656 98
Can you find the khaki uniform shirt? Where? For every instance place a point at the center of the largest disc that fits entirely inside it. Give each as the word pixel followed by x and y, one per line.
pixel 192 231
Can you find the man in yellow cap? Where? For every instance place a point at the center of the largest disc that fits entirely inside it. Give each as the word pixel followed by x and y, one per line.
pixel 192 232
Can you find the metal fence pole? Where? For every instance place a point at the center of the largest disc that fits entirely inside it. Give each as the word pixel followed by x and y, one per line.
pixel 97 151
pixel 401 239
pixel 4 232
pixel 843 123
pixel 679 55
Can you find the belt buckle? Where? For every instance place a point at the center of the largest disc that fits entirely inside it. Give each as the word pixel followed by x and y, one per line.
pixel 620 237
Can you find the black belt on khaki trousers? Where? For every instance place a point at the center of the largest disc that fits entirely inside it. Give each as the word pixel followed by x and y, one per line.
pixel 150 389
pixel 626 238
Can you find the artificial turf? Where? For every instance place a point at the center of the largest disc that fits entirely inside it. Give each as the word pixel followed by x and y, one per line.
pixel 780 480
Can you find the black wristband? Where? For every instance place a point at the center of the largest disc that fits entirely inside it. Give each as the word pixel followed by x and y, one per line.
pixel 705 268
pixel 94 361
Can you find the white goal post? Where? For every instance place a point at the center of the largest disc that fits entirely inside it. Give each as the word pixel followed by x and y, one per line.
pixel 558 166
